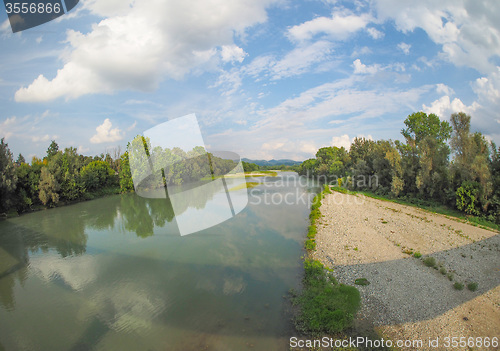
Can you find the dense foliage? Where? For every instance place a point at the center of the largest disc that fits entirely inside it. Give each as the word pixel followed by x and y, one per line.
pixel 438 161
pixel 65 176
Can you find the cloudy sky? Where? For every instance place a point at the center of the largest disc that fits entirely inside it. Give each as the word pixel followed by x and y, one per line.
pixel 266 78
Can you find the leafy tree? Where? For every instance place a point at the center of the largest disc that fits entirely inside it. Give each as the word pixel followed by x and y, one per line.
pixel 425 155
pixel 48 188
pixel 8 177
pixel 20 160
pixel 126 183
pixel 250 167
pixel 472 159
pixel 52 149
pixel 96 175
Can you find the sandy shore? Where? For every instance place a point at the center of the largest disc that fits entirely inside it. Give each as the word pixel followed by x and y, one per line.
pixel 361 237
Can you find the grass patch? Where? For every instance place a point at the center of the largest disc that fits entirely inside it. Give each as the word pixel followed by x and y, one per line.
pixel 362 281
pixel 244 185
pixel 325 306
pixel 449 276
pixel 417 254
pixel 458 286
pixel 430 261
pixel 472 286
pixel 442 270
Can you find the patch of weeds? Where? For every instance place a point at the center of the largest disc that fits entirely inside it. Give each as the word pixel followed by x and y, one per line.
pixel 326 189
pixel 325 306
pixel 417 254
pixel 450 276
pixel 362 281
pixel 310 244
pixel 384 222
pixel 430 261
pixel 408 251
pixel 458 286
pixel 355 249
pixel 442 270
pixel 472 286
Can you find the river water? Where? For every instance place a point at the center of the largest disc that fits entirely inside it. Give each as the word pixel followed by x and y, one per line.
pixel 115 274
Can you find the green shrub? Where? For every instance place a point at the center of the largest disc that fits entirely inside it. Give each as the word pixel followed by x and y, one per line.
pixel 417 254
pixel 430 261
pixel 458 286
pixel 467 198
pixel 362 281
pixel 472 286
pixel 310 244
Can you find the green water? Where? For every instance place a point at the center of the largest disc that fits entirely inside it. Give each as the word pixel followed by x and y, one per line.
pixel 114 274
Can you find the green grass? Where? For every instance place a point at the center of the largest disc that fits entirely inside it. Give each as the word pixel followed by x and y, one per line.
pixel 244 185
pixel 362 281
pixel 472 286
pixel 325 306
pixel 442 270
pixel 430 261
pixel 417 254
pixel 458 286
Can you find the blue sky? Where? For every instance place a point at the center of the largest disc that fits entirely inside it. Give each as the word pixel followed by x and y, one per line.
pixel 266 78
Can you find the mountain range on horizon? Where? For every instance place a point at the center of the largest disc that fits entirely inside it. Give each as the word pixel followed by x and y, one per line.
pixel 273 162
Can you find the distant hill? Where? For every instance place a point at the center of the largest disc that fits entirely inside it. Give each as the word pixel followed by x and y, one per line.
pixel 273 162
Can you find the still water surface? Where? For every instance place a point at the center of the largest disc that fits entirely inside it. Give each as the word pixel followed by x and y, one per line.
pixel 114 274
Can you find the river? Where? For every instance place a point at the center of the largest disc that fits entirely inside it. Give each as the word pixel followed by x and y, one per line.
pixel 115 274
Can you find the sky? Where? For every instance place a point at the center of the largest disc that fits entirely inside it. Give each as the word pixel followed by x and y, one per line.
pixel 266 78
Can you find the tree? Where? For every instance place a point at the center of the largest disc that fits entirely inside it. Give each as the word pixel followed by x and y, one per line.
pixel 471 161
pixel 20 160
pixel 48 187
pixel 97 174
pixel 8 177
pixel 126 183
pixel 52 149
pixel 425 155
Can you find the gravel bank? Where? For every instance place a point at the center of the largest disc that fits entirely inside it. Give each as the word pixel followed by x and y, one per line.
pixel 361 237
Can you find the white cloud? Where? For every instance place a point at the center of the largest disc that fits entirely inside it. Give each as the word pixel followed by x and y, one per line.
pixel 444 89
pixel 374 33
pixel 159 39
pixel 404 47
pixel 360 68
pixel 105 134
pixel 340 26
pixel 444 107
pixel 467 30
pixel 345 141
pixel 231 53
pixel 342 141
pixel 300 59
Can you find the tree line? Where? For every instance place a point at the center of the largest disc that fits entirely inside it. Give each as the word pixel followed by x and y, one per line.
pixel 64 176
pixel 438 161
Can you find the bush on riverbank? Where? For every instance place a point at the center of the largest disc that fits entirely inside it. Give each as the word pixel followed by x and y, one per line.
pixel 326 307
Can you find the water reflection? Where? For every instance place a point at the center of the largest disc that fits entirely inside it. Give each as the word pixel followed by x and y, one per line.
pixel 123 277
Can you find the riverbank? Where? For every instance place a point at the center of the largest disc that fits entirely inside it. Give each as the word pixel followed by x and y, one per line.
pixel 388 245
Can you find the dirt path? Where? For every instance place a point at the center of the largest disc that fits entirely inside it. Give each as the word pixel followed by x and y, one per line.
pixel 362 237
